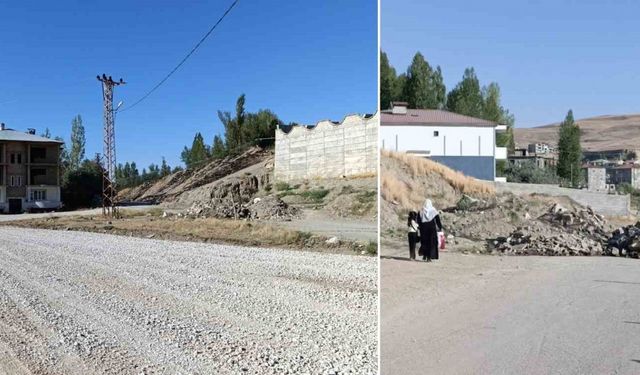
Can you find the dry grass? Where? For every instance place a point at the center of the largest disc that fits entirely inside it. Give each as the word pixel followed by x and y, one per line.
pixel 395 190
pixel 421 167
pixel 150 225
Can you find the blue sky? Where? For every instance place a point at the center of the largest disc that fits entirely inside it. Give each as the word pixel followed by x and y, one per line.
pixel 548 56
pixel 306 61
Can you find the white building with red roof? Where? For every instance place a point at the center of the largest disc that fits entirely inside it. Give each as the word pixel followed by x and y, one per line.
pixel 463 143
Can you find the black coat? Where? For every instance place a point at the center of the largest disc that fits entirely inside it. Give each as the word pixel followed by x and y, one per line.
pixel 429 236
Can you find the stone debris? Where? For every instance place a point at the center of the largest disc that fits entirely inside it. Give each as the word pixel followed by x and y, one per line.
pixel 266 208
pixel 332 241
pixel 557 232
pixel 625 242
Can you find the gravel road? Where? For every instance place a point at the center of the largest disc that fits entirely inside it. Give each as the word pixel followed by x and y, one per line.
pixel 328 226
pixel 473 314
pixel 85 303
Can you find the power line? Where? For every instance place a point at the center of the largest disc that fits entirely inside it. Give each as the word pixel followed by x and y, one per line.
pixel 183 60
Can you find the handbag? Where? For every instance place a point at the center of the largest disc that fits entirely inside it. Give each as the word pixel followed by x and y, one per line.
pixel 441 240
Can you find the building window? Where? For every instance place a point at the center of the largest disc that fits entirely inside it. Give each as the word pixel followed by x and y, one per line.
pixel 16 158
pixel 436 133
pixel 15 181
pixel 38 195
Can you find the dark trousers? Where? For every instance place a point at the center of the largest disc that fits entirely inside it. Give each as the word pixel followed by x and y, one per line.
pixel 413 238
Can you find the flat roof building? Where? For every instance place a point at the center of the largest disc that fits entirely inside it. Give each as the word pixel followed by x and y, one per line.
pixel 463 143
pixel 29 171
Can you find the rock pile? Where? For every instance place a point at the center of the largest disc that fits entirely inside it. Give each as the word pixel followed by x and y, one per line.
pixel 557 232
pixel 266 208
pixel 625 242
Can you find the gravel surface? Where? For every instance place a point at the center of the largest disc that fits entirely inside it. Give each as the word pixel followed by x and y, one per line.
pixel 80 303
pixel 481 314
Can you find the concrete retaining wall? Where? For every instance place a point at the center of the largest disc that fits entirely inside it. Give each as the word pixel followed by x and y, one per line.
pixel 328 150
pixel 602 203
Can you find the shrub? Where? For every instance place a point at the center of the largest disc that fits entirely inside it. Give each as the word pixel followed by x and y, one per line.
pixel 530 173
pixel 282 186
pixel 82 188
pixel 315 195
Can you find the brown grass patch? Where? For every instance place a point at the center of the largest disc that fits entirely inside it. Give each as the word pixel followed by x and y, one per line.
pixel 422 166
pixel 395 190
pixel 150 225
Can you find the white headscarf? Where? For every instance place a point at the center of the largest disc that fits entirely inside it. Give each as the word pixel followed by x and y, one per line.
pixel 428 211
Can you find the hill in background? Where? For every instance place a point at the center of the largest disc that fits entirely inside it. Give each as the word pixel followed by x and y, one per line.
pixel 597 133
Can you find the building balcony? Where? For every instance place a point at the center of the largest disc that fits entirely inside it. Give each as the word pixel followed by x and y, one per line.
pixel 501 153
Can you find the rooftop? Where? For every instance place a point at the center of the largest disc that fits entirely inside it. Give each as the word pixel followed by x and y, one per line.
pixel 419 117
pixel 17 136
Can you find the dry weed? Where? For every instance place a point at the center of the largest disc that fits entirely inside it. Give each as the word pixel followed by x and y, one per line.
pixel 421 166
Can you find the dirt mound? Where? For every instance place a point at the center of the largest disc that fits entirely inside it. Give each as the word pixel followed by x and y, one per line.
pixel 265 208
pixel 475 219
pixel 559 231
pixel 171 187
pixel 406 181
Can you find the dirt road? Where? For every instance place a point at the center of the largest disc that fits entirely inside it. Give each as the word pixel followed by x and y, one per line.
pixel 473 314
pixel 85 303
pixel 343 228
pixel 87 212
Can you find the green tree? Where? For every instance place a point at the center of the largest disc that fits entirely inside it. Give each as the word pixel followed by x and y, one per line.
pixel 439 88
pixel 569 151
pixel 82 187
pixel 260 128
pixel 387 82
pixel 76 155
pixel 229 130
pixel 64 154
pixel 422 90
pixel 196 155
pixel 165 169
pixel 400 88
pixel 493 111
pixel 218 151
pixel 466 98
pixel 240 116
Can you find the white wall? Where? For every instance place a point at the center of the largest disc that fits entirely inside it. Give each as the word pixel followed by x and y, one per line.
pixel 328 150
pixel 451 140
pixel 53 192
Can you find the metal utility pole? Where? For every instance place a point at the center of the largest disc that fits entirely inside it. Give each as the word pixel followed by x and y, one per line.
pixel 109 147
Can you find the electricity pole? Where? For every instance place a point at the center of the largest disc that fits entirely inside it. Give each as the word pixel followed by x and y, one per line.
pixel 109 147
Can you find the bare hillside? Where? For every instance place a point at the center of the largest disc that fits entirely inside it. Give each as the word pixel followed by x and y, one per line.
pixel 171 187
pixel 598 133
pixel 476 218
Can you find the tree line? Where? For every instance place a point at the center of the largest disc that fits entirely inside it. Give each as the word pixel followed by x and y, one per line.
pixel 128 175
pixel 422 87
pixel 241 131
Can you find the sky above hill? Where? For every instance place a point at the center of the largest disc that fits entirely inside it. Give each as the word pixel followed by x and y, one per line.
pixel 305 61
pixel 547 56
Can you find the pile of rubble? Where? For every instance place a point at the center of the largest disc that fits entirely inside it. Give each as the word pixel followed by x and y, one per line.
pixel 625 242
pixel 266 208
pixel 558 232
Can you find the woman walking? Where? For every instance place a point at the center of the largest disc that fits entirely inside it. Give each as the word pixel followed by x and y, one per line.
pixel 429 224
pixel 412 223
